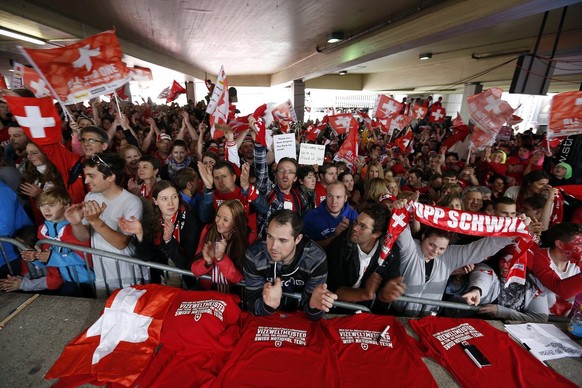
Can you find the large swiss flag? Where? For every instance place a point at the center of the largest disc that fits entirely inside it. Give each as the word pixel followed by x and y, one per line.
pixel 490 113
pixel 386 107
pixel 343 123
pixel 118 346
pixel 83 70
pixel 565 115
pixel 38 117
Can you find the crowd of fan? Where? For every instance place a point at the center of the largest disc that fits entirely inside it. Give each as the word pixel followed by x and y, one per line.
pixel 151 183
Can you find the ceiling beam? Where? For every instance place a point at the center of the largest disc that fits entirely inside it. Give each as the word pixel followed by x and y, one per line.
pixel 73 27
pixel 442 21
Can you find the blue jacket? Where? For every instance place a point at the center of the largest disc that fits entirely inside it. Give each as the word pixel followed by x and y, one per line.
pixel 318 224
pixel 12 218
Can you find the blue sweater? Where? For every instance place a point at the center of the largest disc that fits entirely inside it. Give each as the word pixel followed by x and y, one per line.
pixel 318 224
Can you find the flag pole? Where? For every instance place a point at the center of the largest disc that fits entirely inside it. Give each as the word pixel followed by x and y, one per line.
pixel 116 102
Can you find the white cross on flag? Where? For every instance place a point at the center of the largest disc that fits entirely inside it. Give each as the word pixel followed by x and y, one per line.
pixel 489 113
pixel 343 123
pixel 565 115
pixel 119 346
pixel 23 76
pixel 38 117
pixel 83 70
pixel 437 114
pixel 386 107
pixel 218 105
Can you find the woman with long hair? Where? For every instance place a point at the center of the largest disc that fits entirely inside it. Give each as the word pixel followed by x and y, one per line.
pixel 222 247
pixel 354 195
pixel 169 230
pixel 39 174
pixel 375 189
pixel 534 183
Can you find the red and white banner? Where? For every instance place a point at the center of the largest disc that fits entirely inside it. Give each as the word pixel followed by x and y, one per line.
pixel 218 105
pixel 175 90
pixel 459 134
pixel 437 114
pixel 386 107
pixel 25 77
pixel 141 74
pixel 474 224
pixel 348 152
pixel 119 346
pixel 83 70
pixel 489 112
pixel 284 112
pixel 38 117
pixel 565 115
pixel 343 123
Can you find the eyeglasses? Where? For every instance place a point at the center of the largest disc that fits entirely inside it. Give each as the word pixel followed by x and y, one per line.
pixel 282 171
pixel 90 141
pixel 97 159
pixel 361 225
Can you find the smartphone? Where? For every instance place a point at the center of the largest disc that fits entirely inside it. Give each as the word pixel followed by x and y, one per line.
pixel 475 354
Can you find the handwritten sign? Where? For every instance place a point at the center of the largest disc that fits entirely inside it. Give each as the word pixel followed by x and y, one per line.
pixel 310 154
pixel 284 146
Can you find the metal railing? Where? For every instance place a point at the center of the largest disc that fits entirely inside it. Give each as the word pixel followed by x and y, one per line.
pixel 170 269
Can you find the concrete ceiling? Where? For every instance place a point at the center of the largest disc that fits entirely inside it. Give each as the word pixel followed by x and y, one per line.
pixel 266 43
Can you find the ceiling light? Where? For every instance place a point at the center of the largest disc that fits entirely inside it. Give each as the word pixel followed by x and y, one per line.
pixel 424 57
pixel 343 72
pixel 20 36
pixel 335 37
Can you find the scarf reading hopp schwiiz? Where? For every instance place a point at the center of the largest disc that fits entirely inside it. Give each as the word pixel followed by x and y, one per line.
pixel 470 223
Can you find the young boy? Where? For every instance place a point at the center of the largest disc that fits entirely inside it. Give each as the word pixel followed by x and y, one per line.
pixel 73 268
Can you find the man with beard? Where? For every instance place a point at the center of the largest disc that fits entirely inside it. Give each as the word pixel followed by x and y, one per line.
pixel 281 194
pixel 355 272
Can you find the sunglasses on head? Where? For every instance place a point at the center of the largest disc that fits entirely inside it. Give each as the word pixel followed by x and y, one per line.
pixel 97 159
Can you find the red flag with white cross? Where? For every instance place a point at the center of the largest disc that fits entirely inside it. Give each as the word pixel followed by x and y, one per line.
pixel 284 112
pixel 38 117
pixel 437 114
pixel 565 115
pixel 175 90
pixel 343 123
pixel 386 107
pixel 348 152
pixel 458 120
pixel 83 70
pixel 23 76
pixel 419 111
pixel 118 347
pixel 489 113
pixel 218 106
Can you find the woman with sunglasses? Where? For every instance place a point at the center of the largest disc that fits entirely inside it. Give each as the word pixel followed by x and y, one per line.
pixel 169 230
pixel 222 247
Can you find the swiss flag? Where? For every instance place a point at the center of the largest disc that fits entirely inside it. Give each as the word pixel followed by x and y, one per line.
pixel 23 76
pixel 284 112
pixel 120 344
pixel 367 120
pixel 386 107
pixel 313 131
pixel 349 149
pixel 404 142
pixel 490 113
pixel 38 117
pixel 437 114
pixel 164 93
pixel 458 120
pixel 141 74
pixel 343 123
pixel 239 124
pixel 419 111
pixel 399 122
pixel 83 70
pixel 175 90
pixel 218 106
pixel 565 115
pixel 459 134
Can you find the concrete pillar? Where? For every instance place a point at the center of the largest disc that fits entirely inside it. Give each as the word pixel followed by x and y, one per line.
pixel 298 92
pixel 190 94
pixel 470 89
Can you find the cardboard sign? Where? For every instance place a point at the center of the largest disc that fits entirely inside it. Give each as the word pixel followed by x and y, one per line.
pixel 284 146
pixel 310 154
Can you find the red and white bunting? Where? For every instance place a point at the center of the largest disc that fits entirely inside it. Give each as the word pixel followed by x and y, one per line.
pixel 83 70
pixel 38 117
pixel 565 115
pixel 386 107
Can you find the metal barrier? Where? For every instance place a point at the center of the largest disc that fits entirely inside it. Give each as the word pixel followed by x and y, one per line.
pixel 167 268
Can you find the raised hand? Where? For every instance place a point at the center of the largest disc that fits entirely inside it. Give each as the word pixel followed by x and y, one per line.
pixel 206 175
